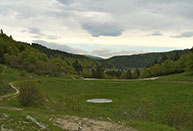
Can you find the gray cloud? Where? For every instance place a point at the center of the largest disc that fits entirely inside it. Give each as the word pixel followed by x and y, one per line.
pixel 102 29
pixel 156 34
pixel 65 2
pixel 132 14
pixel 184 35
pixel 38 34
pixel 34 31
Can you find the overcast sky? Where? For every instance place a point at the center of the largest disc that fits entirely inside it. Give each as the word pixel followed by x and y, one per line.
pixel 101 27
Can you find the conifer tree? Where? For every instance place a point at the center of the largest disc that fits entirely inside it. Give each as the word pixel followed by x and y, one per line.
pixel 1 31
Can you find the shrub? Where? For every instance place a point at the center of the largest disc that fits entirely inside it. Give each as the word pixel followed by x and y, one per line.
pixel 30 95
pixel 23 74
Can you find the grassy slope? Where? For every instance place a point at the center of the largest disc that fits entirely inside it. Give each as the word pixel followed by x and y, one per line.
pixel 161 94
pixel 125 95
pixel 183 77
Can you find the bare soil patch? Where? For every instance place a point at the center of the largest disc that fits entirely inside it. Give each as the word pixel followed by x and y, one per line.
pixel 71 123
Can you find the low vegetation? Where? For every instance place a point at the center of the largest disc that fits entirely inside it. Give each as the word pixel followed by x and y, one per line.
pixel 30 95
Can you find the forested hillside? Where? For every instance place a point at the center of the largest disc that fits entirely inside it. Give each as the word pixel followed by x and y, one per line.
pixel 144 60
pixel 41 60
pixel 69 58
pixel 170 66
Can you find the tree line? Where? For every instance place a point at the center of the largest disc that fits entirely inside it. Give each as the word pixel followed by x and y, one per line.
pixel 169 66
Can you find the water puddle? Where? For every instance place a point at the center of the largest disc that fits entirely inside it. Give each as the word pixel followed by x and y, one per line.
pixel 99 100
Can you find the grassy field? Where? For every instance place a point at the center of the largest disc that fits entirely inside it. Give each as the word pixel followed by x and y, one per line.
pixel 143 105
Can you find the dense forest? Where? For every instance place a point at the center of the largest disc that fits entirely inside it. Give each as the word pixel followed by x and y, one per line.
pixel 144 60
pixel 170 66
pixel 39 59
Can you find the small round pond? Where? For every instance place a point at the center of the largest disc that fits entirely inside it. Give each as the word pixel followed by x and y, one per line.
pixel 97 100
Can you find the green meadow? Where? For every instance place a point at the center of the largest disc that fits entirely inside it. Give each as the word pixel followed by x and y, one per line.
pixel 146 105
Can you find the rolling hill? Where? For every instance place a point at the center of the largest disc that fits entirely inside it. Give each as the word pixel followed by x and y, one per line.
pixel 143 60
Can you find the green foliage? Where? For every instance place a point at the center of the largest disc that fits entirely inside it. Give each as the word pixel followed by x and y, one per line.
pixel 142 60
pixel 180 64
pixel 128 74
pixel 69 58
pixel 30 95
pixel 189 62
pixel 99 73
pixel 167 67
pixel 136 74
pixel 114 74
pixel 86 73
pixel 147 73
pixel 163 59
pixel 184 63
pixel 77 66
pixel 176 56
pixel 23 56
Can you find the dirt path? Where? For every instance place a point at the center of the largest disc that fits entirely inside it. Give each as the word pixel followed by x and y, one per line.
pixel 91 79
pixel 71 123
pixel 13 95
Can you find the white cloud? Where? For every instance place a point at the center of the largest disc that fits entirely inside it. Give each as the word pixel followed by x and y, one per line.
pixel 100 52
pixel 106 53
pixel 115 21
pixel 63 47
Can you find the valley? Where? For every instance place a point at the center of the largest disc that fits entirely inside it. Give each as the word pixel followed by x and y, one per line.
pixel 140 105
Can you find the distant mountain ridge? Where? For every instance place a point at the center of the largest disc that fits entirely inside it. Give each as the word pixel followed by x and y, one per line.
pixel 94 57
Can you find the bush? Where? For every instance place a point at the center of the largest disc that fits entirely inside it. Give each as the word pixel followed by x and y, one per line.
pixel 30 95
pixel 23 74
